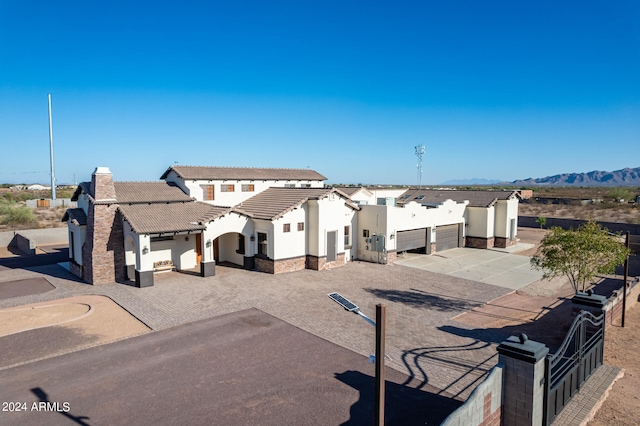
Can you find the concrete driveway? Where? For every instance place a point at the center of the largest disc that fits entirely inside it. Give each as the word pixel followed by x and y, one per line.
pixel 486 266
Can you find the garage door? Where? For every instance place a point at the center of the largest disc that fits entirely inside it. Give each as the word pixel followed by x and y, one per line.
pixel 412 239
pixel 446 237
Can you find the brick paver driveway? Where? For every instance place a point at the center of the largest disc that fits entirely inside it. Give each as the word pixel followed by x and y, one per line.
pixel 423 338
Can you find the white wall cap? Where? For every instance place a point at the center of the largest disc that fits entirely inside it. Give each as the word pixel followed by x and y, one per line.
pixel 102 171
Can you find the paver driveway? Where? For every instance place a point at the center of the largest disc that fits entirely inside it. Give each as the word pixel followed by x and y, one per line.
pixel 423 338
pixel 486 266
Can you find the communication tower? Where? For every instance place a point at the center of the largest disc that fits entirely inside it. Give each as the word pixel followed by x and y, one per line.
pixel 419 152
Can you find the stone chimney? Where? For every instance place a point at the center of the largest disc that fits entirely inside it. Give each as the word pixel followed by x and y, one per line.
pixel 103 252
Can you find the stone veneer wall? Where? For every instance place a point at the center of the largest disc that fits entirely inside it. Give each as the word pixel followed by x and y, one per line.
pixel 289 265
pixel 103 259
pixel 264 265
pixel 320 263
pixel 484 405
pixel 479 243
pixel 392 256
pixel 501 242
pixel 614 305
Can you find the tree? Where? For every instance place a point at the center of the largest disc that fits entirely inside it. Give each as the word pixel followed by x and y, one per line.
pixel 579 254
pixel 542 221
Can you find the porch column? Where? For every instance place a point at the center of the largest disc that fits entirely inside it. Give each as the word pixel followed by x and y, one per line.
pixel 144 262
pixel 207 263
pixel 523 380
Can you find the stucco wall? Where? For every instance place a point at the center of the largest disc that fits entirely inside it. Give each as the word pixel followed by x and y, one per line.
pixel 479 222
pixel 195 189
pixel 388 220
pixel 293 243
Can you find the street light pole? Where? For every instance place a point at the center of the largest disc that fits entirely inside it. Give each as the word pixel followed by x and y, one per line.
pixel 381 319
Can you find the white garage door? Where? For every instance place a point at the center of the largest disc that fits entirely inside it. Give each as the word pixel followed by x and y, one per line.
pixel 447 237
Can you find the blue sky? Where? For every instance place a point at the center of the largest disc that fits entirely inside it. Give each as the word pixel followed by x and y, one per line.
pixel 500 90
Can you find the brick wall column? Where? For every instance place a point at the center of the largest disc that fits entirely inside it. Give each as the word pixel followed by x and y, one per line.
pixel 523 380
pixel 103 252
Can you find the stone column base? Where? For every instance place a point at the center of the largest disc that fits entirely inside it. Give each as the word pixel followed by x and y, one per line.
pixel 207 269
pixel 144 278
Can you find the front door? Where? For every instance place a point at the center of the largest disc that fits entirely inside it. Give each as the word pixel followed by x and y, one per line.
pixel 198 249
pixel 216 250
pixel 332 249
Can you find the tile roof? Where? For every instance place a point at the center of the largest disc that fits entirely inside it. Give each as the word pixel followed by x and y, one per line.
pixel 149 192
pixel 475 198
pixel 139 192
pixel 349 190
pixel 165 218
pixel 275 202
pixel 242 173
pixel 76 216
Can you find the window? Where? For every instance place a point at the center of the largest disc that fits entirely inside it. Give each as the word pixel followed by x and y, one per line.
pixel 289 185
pixel 262 244
pixel 248 187
pixel 227 188
pixel 305 185
pixel 347 235
pixel 365 233
pixel 207 193
pixel 300 226
pixel 286 227
pixel 162 238
pixel 240 244
pixel 72 250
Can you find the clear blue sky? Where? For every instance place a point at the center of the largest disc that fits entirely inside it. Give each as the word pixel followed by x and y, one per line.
pixel 501 90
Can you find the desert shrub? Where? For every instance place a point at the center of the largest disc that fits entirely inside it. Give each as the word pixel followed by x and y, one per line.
pixel 11 214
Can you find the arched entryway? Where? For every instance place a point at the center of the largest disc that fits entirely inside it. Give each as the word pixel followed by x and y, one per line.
pixel 231 248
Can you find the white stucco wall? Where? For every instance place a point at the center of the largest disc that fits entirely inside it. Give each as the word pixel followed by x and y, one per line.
pixel 326 215
pixel 265 227
pixel 83 203
pixel 195 188
pixel 388 220
pixel 293 243
pixel 480 222
pixel 505 211
pixel 79 237
pixel 180 251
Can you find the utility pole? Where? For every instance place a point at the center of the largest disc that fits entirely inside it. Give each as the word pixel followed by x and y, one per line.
pixel 53 173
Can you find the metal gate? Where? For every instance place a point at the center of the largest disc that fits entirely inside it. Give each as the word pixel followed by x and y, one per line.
pixel 580 354
pixel 447 237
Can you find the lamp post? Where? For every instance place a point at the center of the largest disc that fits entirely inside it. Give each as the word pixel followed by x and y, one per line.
pixel 380 325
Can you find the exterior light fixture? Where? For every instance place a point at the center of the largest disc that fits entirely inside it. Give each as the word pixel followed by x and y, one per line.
pixel 252 237
pixel 186 238
pixel 145 250
pixel 208 243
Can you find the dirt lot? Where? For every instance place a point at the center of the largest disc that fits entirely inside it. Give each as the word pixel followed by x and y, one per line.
pixel 623 213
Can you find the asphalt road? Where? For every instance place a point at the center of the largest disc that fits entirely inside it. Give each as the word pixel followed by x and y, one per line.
pixel 246 368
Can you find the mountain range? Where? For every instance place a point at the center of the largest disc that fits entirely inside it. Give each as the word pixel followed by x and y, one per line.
pixel 624 177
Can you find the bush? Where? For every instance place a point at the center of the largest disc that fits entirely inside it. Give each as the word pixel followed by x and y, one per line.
pixel 16 215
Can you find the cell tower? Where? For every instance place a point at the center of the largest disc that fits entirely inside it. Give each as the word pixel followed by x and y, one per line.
pixel 419 153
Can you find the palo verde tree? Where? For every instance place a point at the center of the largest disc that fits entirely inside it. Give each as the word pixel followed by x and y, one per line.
pixel 580 254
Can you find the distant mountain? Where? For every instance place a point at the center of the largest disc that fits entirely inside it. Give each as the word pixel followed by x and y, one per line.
pixel 474 181
pixel 624 177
